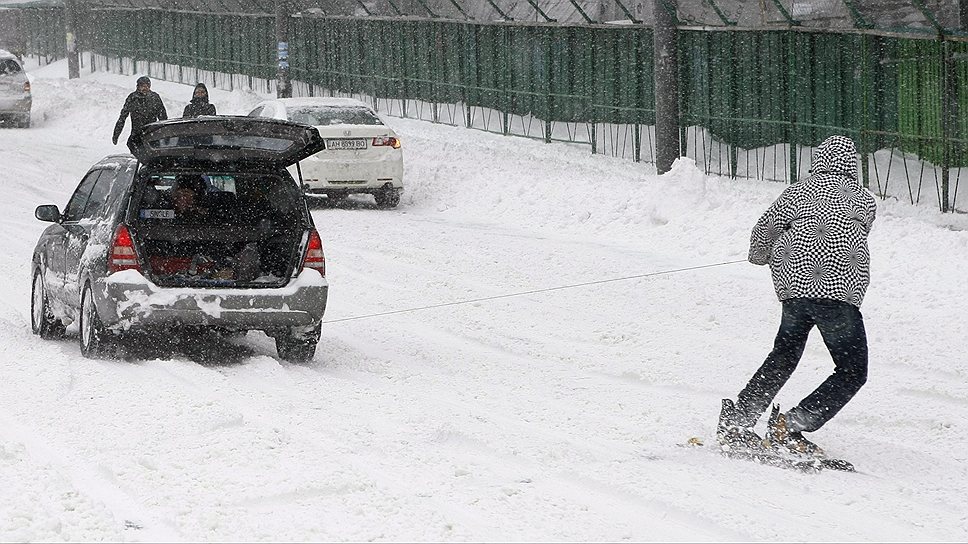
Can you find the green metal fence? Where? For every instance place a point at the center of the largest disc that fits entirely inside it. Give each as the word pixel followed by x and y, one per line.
pixel 753 102
pixel 43 29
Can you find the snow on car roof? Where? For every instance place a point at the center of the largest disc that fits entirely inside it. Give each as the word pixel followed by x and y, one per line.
pixel 323 101
pixel 4 54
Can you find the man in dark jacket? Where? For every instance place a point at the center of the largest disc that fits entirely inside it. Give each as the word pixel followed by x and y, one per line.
pixel 814 237
pixel 144 106
pixel 199 104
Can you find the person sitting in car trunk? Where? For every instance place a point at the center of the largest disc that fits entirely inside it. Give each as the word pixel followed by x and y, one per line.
pixel 188 198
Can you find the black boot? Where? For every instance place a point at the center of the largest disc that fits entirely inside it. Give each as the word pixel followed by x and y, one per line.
pixel 731 435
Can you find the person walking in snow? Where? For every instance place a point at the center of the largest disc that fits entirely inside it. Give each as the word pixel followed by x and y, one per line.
pixel 814 237
pixel 144 106
pixel 199 104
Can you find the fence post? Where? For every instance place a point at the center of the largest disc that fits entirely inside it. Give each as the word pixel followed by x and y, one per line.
pixel 870 96
pixel 506 65
pixel 401 83
pixel 666 52
pixel 283 85
pixel 637 72
pixel 549 75
pixel 465 30
pixel 436 49
pixel 591 88
pixel 948 105
pixel 792 104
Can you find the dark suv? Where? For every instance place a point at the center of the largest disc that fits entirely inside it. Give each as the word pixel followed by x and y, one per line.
pixel 202 228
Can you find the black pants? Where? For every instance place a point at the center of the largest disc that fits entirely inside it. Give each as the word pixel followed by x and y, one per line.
pixel 134 139
pixel 842 327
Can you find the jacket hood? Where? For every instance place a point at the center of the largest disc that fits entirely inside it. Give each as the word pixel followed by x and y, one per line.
pixel 203 99
pixel 836 155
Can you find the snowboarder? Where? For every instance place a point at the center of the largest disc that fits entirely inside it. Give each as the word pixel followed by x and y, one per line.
pixel 144 106
pixel 199 104
pixel 814 237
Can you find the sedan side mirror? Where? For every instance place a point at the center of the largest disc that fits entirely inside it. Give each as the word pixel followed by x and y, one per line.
pixel 48 212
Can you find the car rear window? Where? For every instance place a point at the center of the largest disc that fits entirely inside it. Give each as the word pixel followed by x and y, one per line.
pixel 334 115
pixel 9 66
pixel 215 198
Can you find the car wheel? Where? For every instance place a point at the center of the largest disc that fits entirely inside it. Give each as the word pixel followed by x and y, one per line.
pixel 314 202
pixel 94 339
pixel 388 197
pixel 297 345
pixel 42 320
pixel 334 199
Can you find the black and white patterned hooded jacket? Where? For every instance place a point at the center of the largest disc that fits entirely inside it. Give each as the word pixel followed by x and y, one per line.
pixel 814 236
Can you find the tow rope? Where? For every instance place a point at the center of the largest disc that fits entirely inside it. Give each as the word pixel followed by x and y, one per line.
pixel 532 292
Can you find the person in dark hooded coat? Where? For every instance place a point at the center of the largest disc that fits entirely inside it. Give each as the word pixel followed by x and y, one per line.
pixel 199 104
pixel 144 106
pixel 814 237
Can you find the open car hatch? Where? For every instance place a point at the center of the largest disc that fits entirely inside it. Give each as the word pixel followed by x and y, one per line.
pixel 227 139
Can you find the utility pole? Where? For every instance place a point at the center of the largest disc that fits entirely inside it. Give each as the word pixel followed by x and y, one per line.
pixel 949 108
pixel 283 84
pixel 667 147
pixel 70 27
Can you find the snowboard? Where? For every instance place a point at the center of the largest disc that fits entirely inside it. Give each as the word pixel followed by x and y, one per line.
pixel 807 465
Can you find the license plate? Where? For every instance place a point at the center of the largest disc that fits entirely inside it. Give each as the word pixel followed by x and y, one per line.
pixel 157 214
pixel 349 143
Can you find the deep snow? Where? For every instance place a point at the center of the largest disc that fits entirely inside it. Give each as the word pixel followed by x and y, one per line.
pixel 552 416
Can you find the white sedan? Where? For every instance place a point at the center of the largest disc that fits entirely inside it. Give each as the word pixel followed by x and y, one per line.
pixel 362 153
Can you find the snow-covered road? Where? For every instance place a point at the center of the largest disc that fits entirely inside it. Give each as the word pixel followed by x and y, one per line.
pixel 550 416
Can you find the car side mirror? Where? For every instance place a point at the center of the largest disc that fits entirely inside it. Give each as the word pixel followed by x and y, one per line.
pixel 48 212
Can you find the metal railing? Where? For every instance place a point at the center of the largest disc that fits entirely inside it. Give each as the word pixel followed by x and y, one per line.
pixel 753 101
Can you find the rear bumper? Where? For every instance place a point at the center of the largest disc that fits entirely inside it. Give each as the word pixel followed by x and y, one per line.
pixel 130 303
pixel 19 106
pixel 356 176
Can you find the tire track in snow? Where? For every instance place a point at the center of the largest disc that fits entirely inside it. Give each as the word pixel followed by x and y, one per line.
pixel 94 482
pixel 564 487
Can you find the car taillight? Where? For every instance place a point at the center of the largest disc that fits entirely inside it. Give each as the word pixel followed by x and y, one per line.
pixel 26 87
pixel 122 255
pixel 386 141
pixel 314 254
